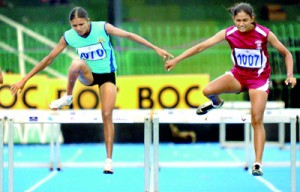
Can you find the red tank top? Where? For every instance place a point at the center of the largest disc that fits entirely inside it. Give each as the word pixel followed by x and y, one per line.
pixel 249 50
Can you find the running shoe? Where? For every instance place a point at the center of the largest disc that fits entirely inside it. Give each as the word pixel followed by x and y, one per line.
pixel 108 169
pixel 59 103
pixel 203 109
pixel 257 170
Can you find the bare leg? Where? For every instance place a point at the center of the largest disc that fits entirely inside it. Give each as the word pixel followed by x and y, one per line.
pixel 1 77
pixel 258 104
pixel 78 69
pixel 108 94
pixel 224 84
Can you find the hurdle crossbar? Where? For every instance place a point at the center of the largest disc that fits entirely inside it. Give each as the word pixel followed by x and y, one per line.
pixel 223 116
pixel 246 105
pixel 73 116
pixel 151 128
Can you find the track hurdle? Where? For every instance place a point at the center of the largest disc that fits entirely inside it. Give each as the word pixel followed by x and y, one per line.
pixel 245 107
pixel 75 116
pixel 1 154
pixel 7 122
pixel 223 116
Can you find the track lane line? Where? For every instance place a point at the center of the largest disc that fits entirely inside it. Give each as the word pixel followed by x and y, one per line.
pixel 53 173
pixel 268 184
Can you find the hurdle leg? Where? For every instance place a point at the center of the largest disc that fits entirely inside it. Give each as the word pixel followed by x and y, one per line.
pixel 51 149
pixel 155 125
pixel 247 145
pixel 281 135
pixel 147 143
pixel 222 134
pixel 57 131
pixel 10 156
pixel 1 154
pixel 251 147
pixel 293 154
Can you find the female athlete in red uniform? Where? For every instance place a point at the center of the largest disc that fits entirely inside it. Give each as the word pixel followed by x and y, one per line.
pixel 251 70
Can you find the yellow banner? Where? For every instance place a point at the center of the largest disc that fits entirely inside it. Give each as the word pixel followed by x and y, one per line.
pixel 34 95
pixel 157 91
pixel 134 92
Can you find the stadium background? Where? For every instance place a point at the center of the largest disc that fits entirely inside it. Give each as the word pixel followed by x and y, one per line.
pixel 172 24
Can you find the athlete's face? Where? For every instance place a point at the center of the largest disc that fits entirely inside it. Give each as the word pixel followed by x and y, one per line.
pixel 81 26
pixel 243 21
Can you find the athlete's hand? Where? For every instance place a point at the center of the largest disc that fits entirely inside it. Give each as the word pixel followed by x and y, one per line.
pixel 164 54
pixel 291 81
pixel 170 64
pixel 17 87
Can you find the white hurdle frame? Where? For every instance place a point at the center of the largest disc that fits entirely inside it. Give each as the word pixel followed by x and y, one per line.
pixel 9 122
pixel 71 116
pixel 151 133
pixel 245 106
pixel 147 153
pixel 151 137
pixel 222 116
pixel 1 154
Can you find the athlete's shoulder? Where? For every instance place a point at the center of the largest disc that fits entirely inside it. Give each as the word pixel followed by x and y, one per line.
pixel 99 27
pixel 262 30
pixel 230 30
pixel 261 26
pixel 98 23
pixel 69 31
pixel 69 34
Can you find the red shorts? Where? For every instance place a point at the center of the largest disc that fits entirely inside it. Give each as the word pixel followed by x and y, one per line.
pixel 250 81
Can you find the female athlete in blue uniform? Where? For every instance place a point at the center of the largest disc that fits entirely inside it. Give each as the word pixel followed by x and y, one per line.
pixel 96 65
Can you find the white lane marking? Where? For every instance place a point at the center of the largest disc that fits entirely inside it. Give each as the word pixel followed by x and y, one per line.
pixel 52 174
pixel 42 181
pixel 260 179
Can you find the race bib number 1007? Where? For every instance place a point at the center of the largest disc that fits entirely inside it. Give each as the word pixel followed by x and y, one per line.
pixel 249 58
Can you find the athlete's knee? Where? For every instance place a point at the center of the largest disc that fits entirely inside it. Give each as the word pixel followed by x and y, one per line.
pixel 106 115
pixel 256 120
pixel 207 91
pixel 77 64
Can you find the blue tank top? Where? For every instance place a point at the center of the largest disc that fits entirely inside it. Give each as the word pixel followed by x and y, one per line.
pixel 96 49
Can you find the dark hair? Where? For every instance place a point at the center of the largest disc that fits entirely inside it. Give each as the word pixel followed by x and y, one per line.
pixel 78 12
pixel 246 7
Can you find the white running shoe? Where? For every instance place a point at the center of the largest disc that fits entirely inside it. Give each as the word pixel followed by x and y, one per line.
pixel 108 169
pixel 203 109
pixel 257 170
pixel 65 100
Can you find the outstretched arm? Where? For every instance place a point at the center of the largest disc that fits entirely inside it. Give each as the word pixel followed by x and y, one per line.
pixel 110 29
pixel 196 49
pixel 287 57
pixel 40 66
pixel 1 77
